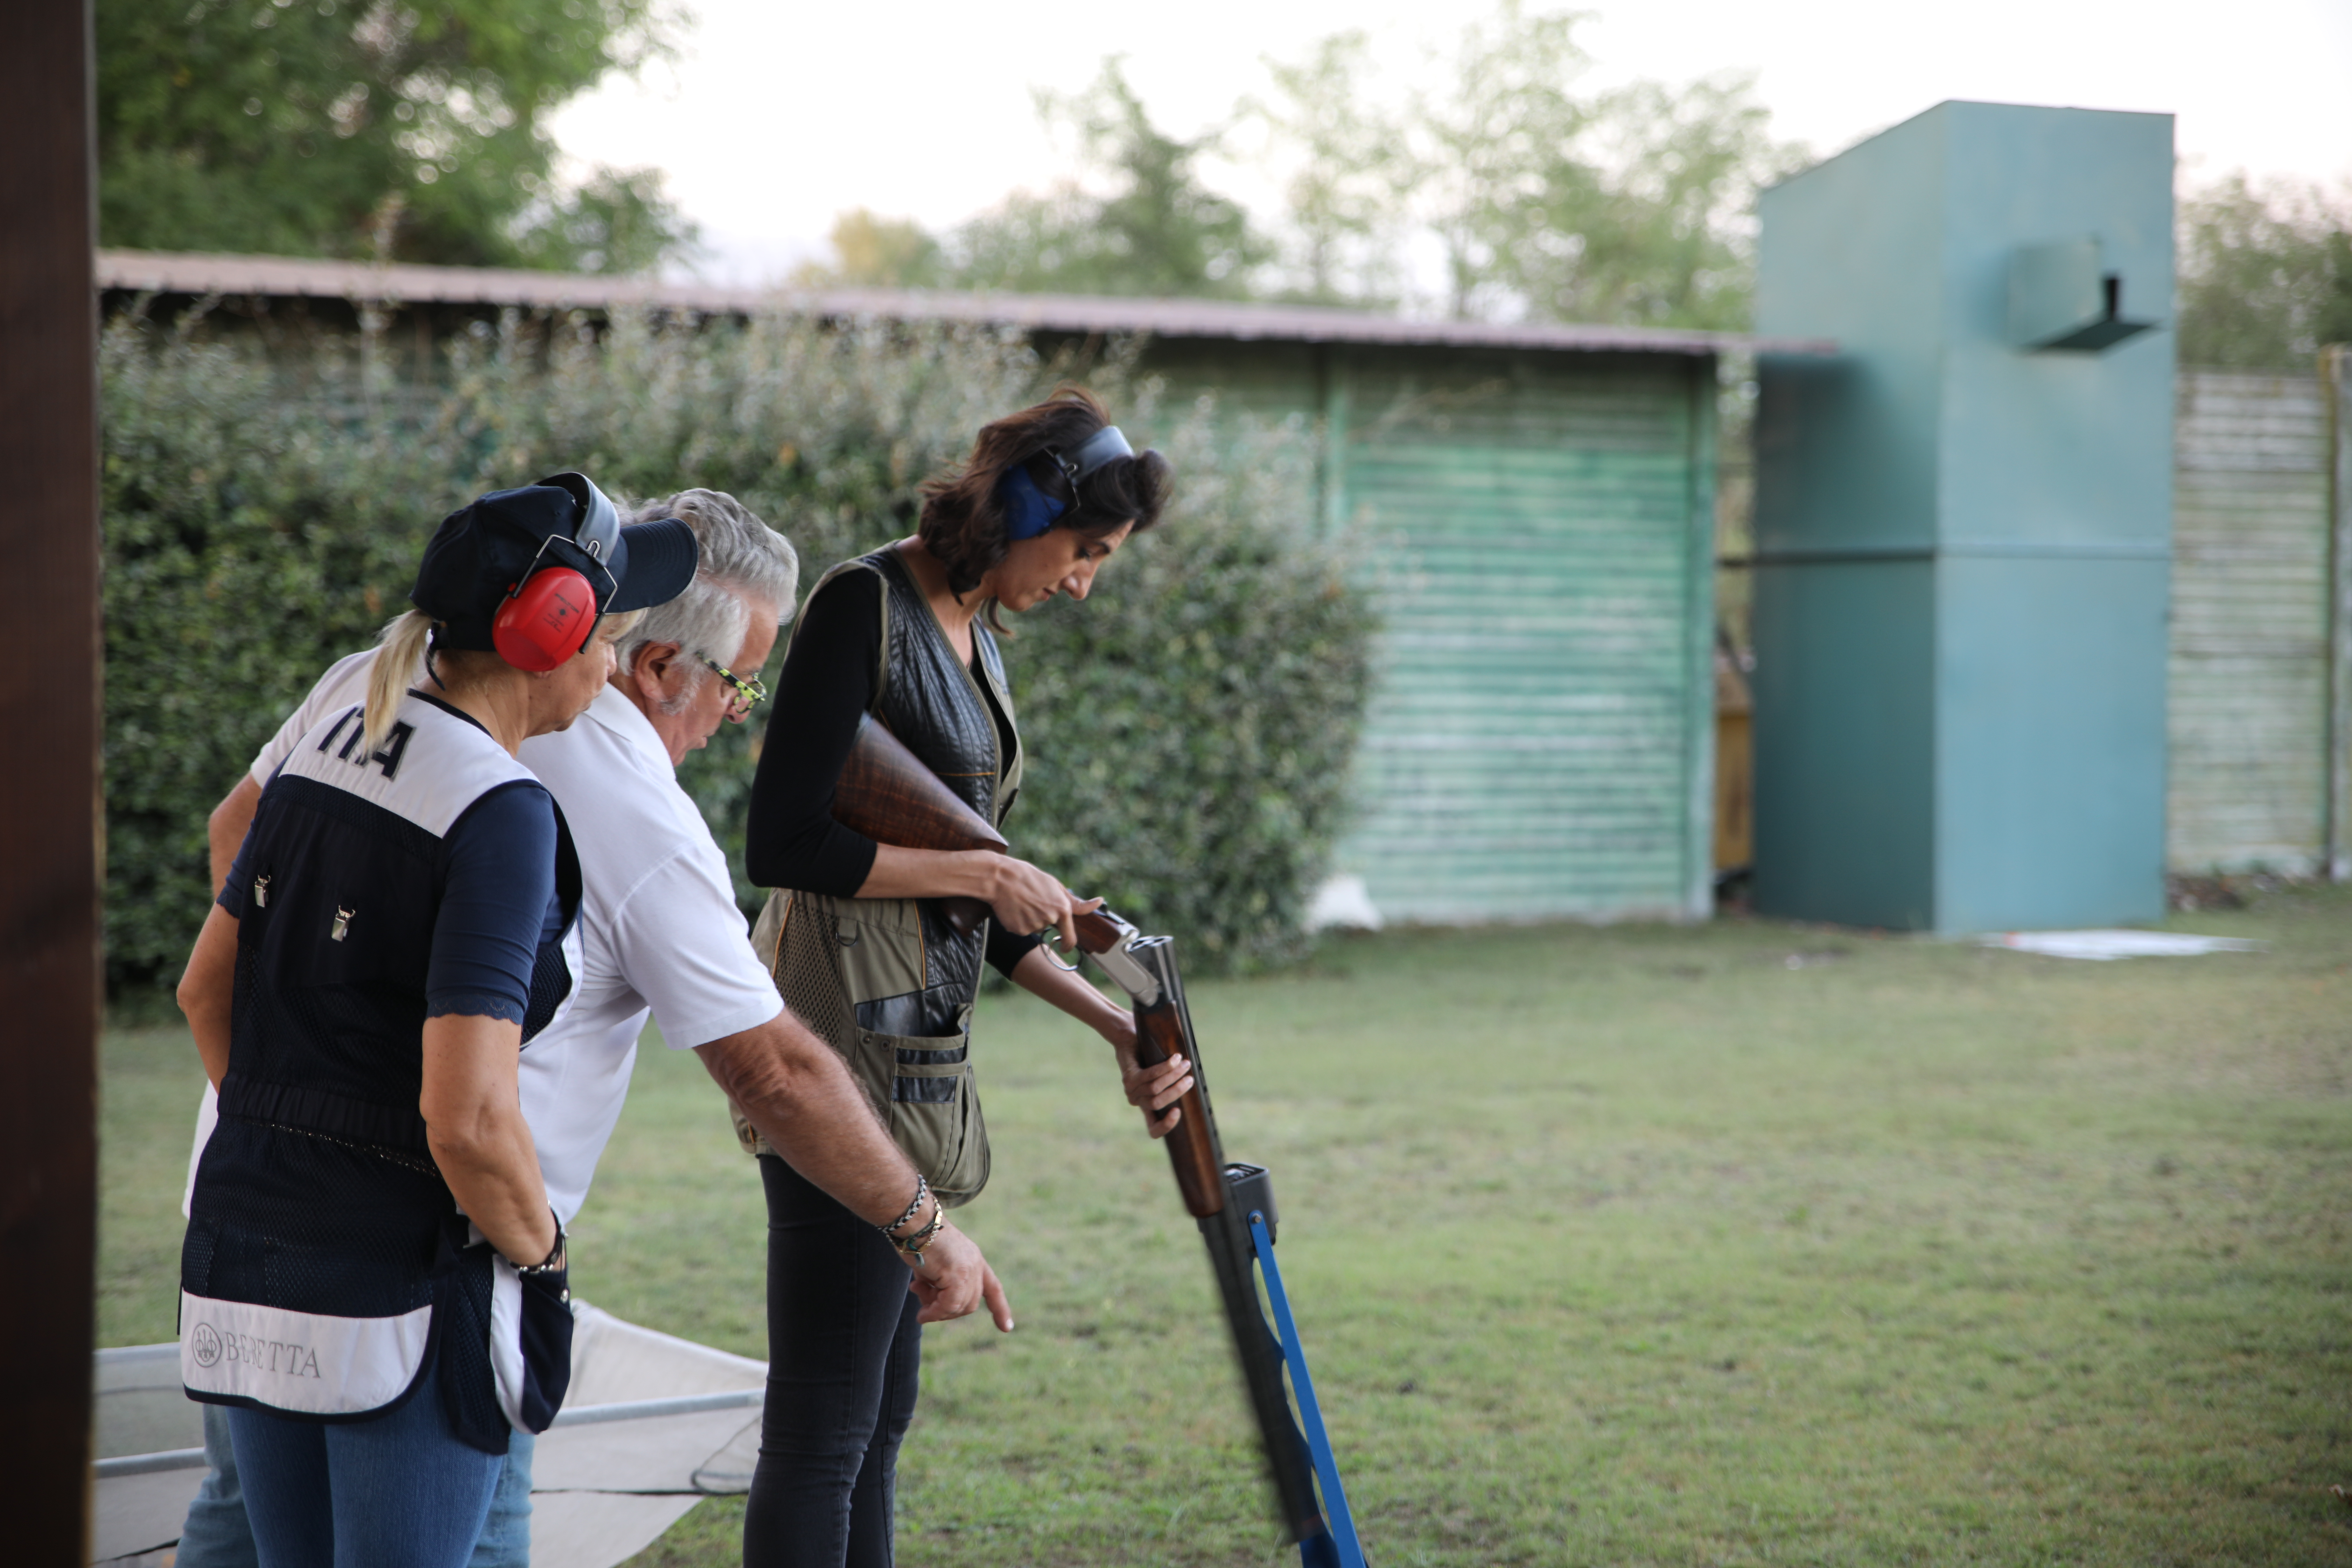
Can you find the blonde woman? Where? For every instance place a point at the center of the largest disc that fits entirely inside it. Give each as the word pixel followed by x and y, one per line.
pixel 373 1280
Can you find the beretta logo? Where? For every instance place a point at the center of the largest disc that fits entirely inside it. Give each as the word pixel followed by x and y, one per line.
pixel 281 1357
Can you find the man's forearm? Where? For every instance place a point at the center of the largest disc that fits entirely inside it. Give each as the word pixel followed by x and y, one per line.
pixel 225 829
pixel 208 988
pixel 801 1098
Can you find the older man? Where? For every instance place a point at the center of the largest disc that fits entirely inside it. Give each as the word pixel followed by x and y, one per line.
pixel 661 934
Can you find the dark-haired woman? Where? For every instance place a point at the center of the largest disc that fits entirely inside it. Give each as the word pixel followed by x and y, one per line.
pixel 866 957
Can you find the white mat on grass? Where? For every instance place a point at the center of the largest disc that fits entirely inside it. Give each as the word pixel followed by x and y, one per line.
pixel 597 1530
pixel 2102 946
pixel 602 1491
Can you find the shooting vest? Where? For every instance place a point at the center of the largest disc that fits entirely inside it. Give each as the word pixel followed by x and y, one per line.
pixel 887 981
pixel 327 1268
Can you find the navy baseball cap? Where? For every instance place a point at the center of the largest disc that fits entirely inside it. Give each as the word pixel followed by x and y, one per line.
pixel 482 552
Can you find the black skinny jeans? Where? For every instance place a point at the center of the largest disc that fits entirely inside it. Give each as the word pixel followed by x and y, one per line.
pixel 843 1352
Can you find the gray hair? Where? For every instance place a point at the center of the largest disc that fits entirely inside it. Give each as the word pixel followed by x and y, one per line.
pixel 742 559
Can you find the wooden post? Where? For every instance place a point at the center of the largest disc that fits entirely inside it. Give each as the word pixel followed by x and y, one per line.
pixel 1331 470
pixel 49 788
pixel 1698 641
pixel 2335 392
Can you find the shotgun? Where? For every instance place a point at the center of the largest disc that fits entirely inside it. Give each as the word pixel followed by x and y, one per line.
pixel 885 793
pixel 1220 1197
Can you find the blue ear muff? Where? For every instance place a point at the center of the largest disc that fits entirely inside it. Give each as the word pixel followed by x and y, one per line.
pixel 1104 445
pixel 1028 511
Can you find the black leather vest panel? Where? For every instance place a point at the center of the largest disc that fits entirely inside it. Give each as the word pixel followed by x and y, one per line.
pixel 931 701
pixel 933 704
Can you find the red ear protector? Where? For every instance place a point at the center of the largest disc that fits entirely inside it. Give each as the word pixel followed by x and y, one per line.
pixel 546 619
pixel 551 612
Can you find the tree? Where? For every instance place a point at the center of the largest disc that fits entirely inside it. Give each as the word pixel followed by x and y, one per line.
pixel 1670 240
pixel 1159 231
pixel 1630 204
pixel 2265 275
pixel 1626 205
pixel 1346 178
pixel 1502 135
pixel 874 252
pixel 350 128
pixel 615 221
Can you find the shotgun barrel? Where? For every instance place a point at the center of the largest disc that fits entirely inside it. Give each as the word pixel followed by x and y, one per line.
pixel 1145 967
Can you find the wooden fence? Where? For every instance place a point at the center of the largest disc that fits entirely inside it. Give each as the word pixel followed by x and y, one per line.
pixel 2261 707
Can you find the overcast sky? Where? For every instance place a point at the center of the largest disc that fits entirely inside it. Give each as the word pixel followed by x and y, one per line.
pixel 781 113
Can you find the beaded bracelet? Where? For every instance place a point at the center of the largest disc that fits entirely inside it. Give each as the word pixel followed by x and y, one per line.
pixel 922 1190
pixel 554 1262
pixel 912 1246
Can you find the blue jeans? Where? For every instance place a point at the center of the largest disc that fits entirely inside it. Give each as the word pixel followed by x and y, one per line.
pixel 218 1535
pixel 506 1538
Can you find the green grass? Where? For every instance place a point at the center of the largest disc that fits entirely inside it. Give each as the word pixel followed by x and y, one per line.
pixel 1628 1245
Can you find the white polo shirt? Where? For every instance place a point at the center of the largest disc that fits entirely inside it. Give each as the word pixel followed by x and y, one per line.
pixel 659 925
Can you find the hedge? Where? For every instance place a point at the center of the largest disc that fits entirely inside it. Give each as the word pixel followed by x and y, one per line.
pixel 1191 726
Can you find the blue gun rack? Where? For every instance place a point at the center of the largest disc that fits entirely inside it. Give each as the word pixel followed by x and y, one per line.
pixel 1338 1548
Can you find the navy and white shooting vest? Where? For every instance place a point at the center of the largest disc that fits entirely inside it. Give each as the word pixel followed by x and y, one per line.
pixel 327 1266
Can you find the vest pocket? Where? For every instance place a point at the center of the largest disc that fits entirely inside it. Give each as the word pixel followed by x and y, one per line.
pixel 879 946
pixel 300 1364
pixel 530 1343
pixel 934 1107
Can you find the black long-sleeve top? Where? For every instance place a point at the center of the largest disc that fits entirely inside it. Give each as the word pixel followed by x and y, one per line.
pixel 827 686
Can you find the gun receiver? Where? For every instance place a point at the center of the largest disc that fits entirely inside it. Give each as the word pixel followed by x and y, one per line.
pixel 1145 968
pixel 887 794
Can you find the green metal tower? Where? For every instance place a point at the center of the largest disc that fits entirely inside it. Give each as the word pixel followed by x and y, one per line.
pixel 1964 525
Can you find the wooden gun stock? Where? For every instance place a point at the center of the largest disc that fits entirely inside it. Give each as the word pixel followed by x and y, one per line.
pixel 885 793
pixel 1099 930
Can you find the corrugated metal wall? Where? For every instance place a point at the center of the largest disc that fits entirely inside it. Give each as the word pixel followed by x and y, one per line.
pixel 2250 690
pixel 1541 742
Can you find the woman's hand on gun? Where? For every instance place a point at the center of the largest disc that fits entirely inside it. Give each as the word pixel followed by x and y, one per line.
pixel 1156 1089
pixel 1027 900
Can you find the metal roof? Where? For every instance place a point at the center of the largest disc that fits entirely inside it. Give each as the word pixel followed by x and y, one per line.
pixel 281 277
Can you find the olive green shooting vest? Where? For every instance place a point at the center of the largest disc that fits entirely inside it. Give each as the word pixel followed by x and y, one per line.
pixel 887 981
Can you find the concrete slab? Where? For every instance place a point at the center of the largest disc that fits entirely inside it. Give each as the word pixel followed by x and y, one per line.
pixel 598 1530
pixel 141 1513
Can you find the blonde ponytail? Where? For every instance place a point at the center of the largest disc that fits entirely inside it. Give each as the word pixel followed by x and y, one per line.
pixel 399 649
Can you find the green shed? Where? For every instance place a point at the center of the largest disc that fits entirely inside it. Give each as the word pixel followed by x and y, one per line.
pixel 1542 498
